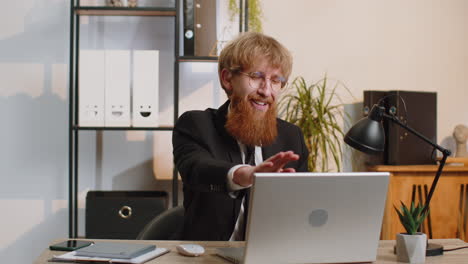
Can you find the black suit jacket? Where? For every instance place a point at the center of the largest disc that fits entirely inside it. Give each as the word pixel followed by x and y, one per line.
pixel 203 153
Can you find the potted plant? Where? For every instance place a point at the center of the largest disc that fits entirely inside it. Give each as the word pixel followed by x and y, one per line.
pixel 411 246
pixel 317 110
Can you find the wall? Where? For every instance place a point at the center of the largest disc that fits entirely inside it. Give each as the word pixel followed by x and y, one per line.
pixel 381 45
pixel 33 112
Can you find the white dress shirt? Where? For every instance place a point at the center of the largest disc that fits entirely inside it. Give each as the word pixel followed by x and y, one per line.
pixel 234 188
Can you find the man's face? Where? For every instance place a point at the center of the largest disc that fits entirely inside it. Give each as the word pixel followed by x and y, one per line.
pixel 259 92
pixel 252 116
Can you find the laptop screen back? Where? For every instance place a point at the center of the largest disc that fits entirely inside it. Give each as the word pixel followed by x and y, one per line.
pixel 315 217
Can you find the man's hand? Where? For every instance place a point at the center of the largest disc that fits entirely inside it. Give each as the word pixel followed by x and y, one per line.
pixel 244 175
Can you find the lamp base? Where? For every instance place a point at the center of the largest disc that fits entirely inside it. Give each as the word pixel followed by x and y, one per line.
pixel 434 250
pixel 431 250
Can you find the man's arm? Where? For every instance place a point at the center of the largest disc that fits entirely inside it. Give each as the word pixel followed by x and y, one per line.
pixel 277 163
pixel 244 175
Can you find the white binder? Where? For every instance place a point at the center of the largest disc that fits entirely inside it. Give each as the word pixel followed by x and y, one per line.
pixel 117 88
pixel 145 112
pixel 91 82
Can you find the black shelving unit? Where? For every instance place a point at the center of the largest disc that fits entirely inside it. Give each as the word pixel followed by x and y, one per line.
pixel 75 12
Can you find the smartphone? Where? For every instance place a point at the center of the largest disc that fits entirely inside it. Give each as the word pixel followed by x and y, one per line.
pixel 70 245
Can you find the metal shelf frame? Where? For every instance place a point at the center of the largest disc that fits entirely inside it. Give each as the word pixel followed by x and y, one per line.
pixel 197 59
pixel 73 128
pixel 125 11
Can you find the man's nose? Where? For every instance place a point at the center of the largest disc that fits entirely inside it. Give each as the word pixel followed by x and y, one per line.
pixel 265 88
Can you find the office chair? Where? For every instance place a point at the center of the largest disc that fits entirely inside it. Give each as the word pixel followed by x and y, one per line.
pixel 165 226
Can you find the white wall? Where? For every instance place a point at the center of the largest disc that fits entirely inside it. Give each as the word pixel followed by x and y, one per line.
pixel 417 45
pixel 33 138
pixel 381 45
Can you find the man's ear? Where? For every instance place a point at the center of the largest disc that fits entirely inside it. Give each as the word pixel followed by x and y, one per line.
pixel 226 80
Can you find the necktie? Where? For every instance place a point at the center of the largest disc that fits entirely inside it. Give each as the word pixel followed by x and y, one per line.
pixel 250 155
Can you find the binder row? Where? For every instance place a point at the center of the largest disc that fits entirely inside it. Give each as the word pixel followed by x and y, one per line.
pixel 118 88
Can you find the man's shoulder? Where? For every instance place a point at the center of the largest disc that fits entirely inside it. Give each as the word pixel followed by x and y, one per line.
pixel 196 114
pixel 283 124
pixel 194 119
pixel 207 114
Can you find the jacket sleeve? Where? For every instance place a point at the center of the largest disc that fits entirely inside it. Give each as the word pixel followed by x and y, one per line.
pixel 303 154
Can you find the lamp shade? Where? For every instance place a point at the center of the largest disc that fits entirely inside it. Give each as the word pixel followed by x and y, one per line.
pixel 368 135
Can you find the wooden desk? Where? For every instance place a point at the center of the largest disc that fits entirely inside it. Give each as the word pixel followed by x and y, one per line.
pixel 449 205
pixel 384 256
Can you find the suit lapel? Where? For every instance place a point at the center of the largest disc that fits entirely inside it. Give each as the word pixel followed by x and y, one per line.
pixel 232 148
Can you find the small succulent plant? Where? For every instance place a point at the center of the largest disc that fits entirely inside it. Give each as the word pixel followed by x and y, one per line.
pixel 411 218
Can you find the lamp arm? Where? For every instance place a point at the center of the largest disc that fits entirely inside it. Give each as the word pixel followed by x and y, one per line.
pixel 434 182
pixel 445 154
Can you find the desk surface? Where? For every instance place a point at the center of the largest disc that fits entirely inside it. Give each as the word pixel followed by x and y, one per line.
pixel 418 168
pixel 385 252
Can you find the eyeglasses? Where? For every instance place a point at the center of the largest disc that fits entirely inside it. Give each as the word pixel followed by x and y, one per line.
pixel 258 79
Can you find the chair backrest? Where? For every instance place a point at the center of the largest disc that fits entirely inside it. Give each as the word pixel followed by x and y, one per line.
pixel 165 226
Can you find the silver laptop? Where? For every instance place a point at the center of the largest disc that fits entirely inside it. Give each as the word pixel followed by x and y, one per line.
pixel 313 218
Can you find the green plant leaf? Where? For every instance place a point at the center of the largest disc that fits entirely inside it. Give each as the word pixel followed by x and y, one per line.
pixel 411 218
pixel 310 107
pixel 403 220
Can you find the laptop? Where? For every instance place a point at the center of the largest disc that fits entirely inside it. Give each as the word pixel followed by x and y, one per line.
pixel 313 218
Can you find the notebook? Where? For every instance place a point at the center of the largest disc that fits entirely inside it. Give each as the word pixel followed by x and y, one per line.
pixel 115 250
pixel 313 218
pixel 72 257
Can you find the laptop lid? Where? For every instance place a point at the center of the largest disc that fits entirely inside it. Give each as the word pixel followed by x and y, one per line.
pixel 315 217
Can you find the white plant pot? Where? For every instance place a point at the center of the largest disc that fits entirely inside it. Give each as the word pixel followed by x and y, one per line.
pixel 411 248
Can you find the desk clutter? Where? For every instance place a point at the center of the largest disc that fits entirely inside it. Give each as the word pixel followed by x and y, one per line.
pixel 113 252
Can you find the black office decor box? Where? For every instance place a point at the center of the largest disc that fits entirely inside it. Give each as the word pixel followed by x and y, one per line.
pixel 122 214
pixel 416 109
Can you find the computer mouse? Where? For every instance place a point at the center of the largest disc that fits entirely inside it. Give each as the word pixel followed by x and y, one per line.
pixel 191 250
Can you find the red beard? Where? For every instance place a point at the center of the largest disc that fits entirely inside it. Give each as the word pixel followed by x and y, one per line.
pixel 250 126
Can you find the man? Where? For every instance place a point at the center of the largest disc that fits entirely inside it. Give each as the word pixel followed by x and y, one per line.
pixel 212 148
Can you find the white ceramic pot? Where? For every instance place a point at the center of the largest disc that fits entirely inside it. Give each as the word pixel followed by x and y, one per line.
pixel 411 248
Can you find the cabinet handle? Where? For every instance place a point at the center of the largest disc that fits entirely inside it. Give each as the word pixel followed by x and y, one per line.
pixel 125 212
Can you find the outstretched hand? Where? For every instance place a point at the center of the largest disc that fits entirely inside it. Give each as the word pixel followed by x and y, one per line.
pixel 244 175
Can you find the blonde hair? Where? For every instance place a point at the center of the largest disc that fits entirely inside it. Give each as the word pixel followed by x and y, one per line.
pixel 242 52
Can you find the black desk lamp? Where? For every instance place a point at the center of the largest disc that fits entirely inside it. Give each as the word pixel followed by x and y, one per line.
pixel 368 136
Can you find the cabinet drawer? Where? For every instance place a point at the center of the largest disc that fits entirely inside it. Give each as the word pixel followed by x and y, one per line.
pixel 121 214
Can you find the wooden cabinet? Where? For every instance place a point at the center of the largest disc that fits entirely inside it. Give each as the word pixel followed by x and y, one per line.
pixel 448 216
